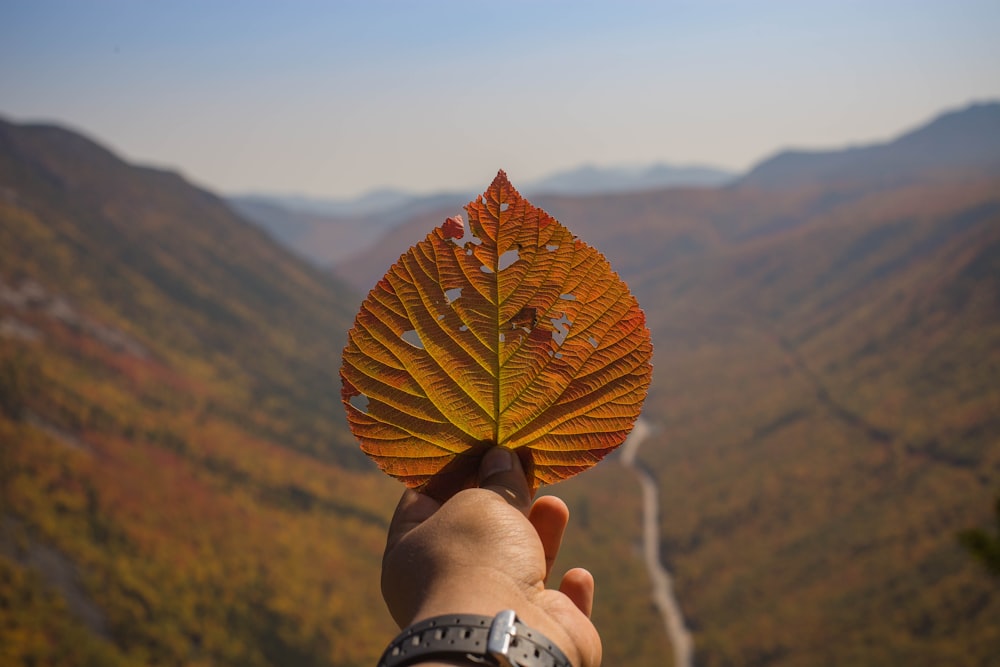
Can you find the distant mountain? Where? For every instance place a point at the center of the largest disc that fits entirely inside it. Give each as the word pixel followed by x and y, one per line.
pixel 968 143
pixel 594 180
pixel 392 202
pixel 326 232
pixel 330 231
pixel 967 139
pixel 376 201
pixel 177 483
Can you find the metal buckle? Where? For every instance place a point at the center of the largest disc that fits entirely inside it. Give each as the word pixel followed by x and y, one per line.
pixel 502 633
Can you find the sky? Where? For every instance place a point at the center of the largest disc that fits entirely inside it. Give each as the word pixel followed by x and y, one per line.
pixel 333 99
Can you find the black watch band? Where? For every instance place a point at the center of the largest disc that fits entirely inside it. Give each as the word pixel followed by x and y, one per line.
pixel 500 641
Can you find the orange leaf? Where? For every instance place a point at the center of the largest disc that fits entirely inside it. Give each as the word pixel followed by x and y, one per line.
pixel 518 334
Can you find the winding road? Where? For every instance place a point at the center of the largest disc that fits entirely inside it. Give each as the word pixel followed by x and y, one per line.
pixel 663 583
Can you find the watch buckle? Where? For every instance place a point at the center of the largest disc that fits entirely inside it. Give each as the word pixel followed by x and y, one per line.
pixel 502 634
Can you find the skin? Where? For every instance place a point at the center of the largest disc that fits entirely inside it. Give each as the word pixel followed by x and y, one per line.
pixel 484 550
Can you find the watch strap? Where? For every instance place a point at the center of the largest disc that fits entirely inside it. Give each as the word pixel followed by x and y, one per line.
pixel 500 641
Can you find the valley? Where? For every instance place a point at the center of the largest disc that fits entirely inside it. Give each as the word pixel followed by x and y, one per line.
pixel 824 394
pixel 663 586
pixel 177 484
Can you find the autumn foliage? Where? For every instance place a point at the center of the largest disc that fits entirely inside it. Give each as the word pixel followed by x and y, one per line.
pixel 518 334
pixel 177 486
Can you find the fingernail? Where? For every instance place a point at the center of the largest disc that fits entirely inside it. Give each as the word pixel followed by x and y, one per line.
pixel 497 460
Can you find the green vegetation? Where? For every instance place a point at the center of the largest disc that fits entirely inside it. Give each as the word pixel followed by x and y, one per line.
pixel 983 546
pixel 39 630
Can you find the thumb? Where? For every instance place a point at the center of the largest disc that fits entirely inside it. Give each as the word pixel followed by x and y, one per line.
pixel 500 471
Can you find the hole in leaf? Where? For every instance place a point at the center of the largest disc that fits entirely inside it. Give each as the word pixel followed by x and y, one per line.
pixel 561 329
pixel 568 297
pixel 470 245
pixel 552 248
pixel 485 269
pixel 558 355
pixel 592 341
pixel 504 206
pixel 453 294
pixel 503 338
pixel 360 402
pixel 464 327
pixel 440 317
pixel 413 338
pixel 507 259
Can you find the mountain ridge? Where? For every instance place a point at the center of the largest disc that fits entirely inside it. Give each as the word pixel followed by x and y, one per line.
pixel 329 231
pixel 168 382
pixel 968 137
pixel 747 207
pixel 108 195
pixel 824 394
pixel 591 179
pixel 170 427
pixel 584 179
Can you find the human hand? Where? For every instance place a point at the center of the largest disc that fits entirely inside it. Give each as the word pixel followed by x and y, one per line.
pixel 487 549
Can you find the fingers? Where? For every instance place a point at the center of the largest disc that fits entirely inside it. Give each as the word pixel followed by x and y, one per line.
pixel 501 472
pixel 549 515
pixel 578 586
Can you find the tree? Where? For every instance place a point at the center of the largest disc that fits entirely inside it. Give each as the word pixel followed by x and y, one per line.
pixel 982 546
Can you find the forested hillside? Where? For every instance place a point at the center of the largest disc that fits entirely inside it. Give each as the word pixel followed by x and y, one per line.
pixel 177 483
pixel 827 398
pixel 825 394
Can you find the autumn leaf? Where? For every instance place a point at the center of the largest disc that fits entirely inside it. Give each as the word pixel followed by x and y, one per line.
pixel 512 332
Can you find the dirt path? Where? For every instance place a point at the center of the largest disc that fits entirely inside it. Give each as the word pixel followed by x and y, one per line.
pixel 663 586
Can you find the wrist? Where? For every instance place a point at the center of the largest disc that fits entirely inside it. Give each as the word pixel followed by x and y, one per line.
pixel 478 592
pixel 489 597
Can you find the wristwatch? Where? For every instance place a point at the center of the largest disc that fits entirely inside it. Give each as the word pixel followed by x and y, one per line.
pixel 500 641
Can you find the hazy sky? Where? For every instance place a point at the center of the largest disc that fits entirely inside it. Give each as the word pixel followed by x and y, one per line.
pixel 336 98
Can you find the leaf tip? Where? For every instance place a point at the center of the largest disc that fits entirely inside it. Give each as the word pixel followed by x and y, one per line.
pixel 502 183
